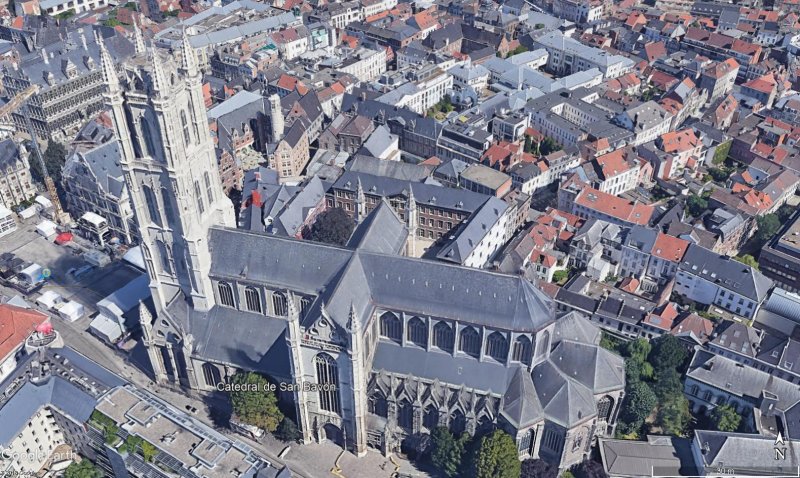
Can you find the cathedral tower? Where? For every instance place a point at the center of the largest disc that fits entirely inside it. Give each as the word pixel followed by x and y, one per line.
pixel 170 168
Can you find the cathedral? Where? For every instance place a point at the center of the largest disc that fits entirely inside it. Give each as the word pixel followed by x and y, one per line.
pixel 381 348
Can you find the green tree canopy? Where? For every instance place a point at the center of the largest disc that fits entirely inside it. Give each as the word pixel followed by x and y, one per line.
pixel 667 383
pixel 447 451
pixel 667 353
pixel 721 153
pixel 638 404
pixel 538 469
pixel 785 213
pixel 768 225
pixel 590 469
pixel 258 406
pixel 748 260
pixel 673 414
pixel 287 431
pixel 82 469
pixel 696 205
pixel 497 457
pixel 725 418
pixel 333 226
pixel 638 349
pixel 549 145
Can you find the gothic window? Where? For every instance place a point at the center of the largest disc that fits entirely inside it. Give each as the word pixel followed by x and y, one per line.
pixel 417 332
pixel 253 299
pixel 225 294
pixel 152 205
pixel 458 422
pixel 391 327
pixel 405 415
pixel 497 346
pixel 279 304
pixel 185 125
pixel 305 303
pixel 200 206
pixel 604 407
pixel 328 382
pixel 544 344
pixel 211 374
pixel 430 419
pixel 209 192
pixel 377 405
pixel 522 350
pixel 167 200
pixel 165 261
pixel 443 337
pixel 147 133
pixel 525 443
pixel 470 342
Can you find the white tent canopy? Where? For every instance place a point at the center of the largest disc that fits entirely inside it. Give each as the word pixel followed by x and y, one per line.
pixel 49 299
pixel 106 328
pixel 71 311
pixel 47 228
pixel 32 274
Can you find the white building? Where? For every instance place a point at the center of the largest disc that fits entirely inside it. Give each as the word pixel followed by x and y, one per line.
pixel 647 121
pixel 469 76
pixel 365 64
pixel 419 96
pixel 7 222
pixel 373 7
pixel 709 278
pixel 16 185
pixel 567 55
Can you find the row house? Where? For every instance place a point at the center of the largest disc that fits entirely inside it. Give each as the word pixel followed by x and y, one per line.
pixel 587 202
pixel 711 279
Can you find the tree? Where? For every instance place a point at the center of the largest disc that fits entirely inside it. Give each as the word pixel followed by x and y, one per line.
pixel 749 260
pixel 334 226
pixel 560 276
pixel 497 457
pixel 674 415
pixel 720 174
pixel 667 383
pixel 590 469
pixel 725 418
pixel 768 225
pixel 667 353
pixel 638 349
pixel 255 404
pixel 538 469
pixel 447 451
pixel 785 213
pixel 721 153
pixel 148 451
pixel 549 145
pixel 287 431
pixel 638 404
pixel 82 469
pixel 696 205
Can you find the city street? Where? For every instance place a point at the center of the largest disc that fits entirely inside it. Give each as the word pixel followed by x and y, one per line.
pixel 308 461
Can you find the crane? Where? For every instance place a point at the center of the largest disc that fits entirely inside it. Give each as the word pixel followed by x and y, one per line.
pixel 20 102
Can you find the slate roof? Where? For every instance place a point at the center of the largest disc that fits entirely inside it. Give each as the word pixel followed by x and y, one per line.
pixel 472 233
pixel 104 163
pixel 9 155
pixel 393 169
pixel 730 274
pixel 659 455
pixel 743 452
pixel 60 390
pixel 394 282
pixel 382 231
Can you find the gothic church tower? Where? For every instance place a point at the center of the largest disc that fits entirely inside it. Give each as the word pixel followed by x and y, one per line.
pixel 170 168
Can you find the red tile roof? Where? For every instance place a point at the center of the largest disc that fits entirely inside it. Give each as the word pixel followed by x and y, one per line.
pixel 669 248
pixel 16 325
pixel 614 206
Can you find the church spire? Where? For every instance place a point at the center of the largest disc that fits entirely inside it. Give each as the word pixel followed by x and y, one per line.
pixel 138 39
pixel 107 64
pixel 159 77
pixel 189 57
